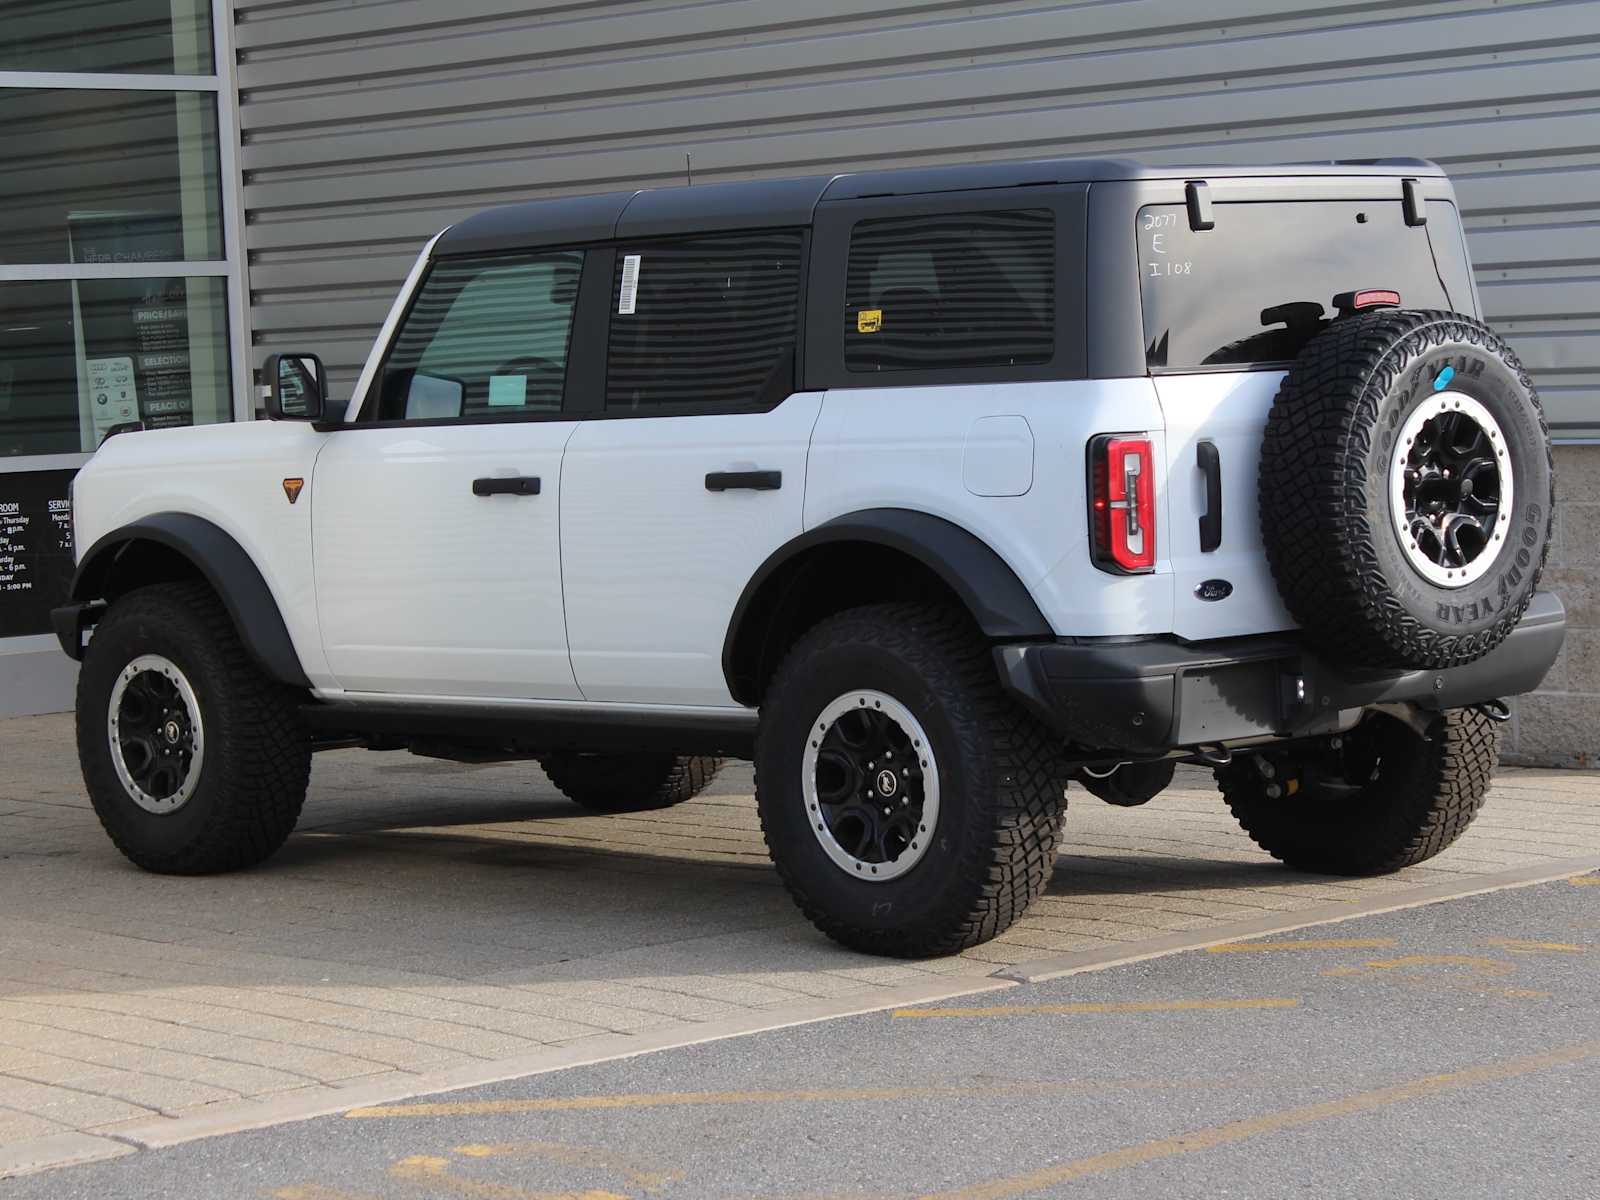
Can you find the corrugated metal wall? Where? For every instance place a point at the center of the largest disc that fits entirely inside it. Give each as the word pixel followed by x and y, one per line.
pixel 368 126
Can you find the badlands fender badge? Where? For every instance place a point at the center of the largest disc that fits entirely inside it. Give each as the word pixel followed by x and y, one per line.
pixel 1213 589
pixel 291 488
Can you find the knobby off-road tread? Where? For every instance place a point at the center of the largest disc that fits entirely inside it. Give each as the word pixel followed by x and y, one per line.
pixel 619 783
pixel 1318 531
pixel 1427 792
pixel 1007 850
pixel 257 754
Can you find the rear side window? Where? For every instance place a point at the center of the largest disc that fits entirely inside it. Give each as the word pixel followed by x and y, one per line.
pixel 484 338
pixel 1258 286
pixel 704 323
pixel 950 290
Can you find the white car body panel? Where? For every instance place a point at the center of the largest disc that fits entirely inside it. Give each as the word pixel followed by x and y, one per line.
pixel 232 476
pixel 1228 409
pixel 909 448
pixel 424 587
pixel 654 563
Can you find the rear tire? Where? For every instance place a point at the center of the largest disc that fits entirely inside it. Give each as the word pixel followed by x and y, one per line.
pixel 202 764
pixel 946 829
pixel 624 783
pixel 1385 798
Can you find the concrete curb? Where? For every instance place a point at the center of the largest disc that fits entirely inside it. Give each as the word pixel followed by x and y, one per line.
pixel 1323 914
pixel 233 1117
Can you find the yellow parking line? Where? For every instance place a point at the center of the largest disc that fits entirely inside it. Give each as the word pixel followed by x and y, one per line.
pixel 1303 944
pixel 434 1173
pixel 468 1108
pixel 1476 963
pixel 1534 947
pixel 595 1158
pixel 1585 881
pixel 1125 1006
pixel 1276 1122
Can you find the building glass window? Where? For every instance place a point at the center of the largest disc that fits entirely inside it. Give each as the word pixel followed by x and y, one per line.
pixel 96 176
pixel 83 358
pixel 704 323
pixel 166 37
pixel 122 298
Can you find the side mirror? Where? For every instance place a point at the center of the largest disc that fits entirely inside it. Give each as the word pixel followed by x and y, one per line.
pixel 293 387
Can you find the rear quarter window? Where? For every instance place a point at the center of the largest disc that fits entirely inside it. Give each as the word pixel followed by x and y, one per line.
pixel 949 290
pixel 1254 289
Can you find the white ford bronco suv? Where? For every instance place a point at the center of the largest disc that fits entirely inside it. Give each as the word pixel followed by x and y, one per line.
pixel 928 490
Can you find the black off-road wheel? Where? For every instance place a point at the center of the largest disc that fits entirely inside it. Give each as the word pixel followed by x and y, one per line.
pixel 195 761
pixel 911 808
pixel 1380 798
pixel 624 783
pixel 1406 489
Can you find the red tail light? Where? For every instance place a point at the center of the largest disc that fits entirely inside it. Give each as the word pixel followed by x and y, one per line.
pixel 1122 503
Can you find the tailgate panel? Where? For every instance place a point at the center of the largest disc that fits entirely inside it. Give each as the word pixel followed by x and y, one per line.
pixel 1228 409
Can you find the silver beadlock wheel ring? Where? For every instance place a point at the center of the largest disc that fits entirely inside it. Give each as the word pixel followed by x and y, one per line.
pixel 871 786
pixel 1450 489
pixel 157 736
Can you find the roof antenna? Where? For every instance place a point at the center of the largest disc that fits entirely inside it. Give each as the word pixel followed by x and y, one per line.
pixel 688 169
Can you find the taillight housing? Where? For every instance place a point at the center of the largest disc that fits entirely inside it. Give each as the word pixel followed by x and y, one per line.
pixel 1122 503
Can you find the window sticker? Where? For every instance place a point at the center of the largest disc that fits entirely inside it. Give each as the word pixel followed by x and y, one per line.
pixel 869 320
pixel 630 285
pixel 508 391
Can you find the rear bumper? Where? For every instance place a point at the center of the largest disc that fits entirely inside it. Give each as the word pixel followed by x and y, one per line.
pixel 1151 695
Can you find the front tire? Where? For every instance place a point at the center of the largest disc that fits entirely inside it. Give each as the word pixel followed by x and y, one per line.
pixel 625 783
pixel 945 829
pixel 1380 798
pixel 194 760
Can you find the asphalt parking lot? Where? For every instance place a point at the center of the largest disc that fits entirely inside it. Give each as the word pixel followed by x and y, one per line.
pixel 434 926
pixel 1451 1050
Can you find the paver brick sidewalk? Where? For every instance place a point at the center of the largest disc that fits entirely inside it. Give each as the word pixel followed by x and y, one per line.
pixel 429 915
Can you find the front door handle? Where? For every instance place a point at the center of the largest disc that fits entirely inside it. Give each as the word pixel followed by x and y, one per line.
pixel 754 481
pixel 506 485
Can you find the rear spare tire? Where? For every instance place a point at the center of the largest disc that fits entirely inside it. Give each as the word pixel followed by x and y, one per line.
pixel 1406 489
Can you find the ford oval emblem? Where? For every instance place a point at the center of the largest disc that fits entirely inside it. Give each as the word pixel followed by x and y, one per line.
pixel 1214 589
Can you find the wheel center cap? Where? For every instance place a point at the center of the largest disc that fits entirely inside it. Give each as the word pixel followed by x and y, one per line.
pixel 172 732
pixel 888 783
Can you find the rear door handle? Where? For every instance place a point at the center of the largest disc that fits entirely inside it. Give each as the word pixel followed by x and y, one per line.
pixel 753 481
pixel 506 485
pixel 1210 464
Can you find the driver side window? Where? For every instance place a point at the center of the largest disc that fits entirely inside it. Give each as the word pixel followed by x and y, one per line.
pixel 485 338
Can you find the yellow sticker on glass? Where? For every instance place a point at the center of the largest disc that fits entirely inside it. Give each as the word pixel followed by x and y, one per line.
pixel 869 320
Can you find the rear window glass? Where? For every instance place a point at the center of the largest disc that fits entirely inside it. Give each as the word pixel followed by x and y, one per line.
pixel 1254 289
pixel 950 290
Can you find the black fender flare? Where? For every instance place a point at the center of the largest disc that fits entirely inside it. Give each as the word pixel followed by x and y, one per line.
pixel 999 602
pixel 223 563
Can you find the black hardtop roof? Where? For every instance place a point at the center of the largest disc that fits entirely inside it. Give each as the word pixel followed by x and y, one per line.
pixel 769 203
